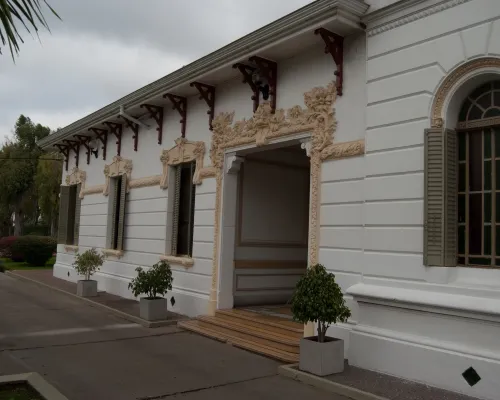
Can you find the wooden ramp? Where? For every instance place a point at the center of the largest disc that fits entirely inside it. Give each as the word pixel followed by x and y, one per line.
pixel 271 336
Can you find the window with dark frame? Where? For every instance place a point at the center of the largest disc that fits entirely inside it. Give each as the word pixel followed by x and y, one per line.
pixel 69 215
pixel 183 213
pixel 479 178
pixel 116 213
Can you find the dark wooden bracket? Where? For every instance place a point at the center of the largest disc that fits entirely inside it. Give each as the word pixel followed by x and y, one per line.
pixel 268 69
pixel 156 113
pixel 247 71
pixel 334 44
pixel 207 93
pixel 102 135
pixel 75 146
pixel 64 150
pixel 179 103
pixel 85 140
pixel 117 130
pixel 135 129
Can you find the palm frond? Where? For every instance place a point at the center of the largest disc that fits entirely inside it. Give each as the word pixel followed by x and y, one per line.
pixel 28 13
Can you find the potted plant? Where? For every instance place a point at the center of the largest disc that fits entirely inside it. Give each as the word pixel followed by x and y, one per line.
pixel 318 298
pixel 154 283
pixel 87 264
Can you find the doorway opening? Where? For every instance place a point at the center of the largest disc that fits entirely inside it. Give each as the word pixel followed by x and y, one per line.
pixel 270 191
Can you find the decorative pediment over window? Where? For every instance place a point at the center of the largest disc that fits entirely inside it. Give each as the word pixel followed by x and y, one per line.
pixel 77 176
pixel 119 166
pixel 183 151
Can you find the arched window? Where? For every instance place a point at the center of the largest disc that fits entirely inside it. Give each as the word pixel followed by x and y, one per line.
pixel 478 134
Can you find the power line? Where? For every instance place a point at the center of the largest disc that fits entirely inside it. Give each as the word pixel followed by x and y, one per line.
pixel 32 159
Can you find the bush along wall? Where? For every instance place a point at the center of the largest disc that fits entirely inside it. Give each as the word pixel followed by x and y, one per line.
pixel 35 250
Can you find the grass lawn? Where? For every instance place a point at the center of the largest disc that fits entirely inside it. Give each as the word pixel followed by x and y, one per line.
pixel 10 265
pixel 18 391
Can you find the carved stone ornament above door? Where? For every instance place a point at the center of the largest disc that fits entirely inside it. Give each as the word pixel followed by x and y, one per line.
pixel 316 119
pixel 119 166
pixel 77 176
pixel 183 151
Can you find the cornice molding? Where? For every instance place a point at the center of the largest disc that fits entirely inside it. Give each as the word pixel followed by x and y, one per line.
pixel 403 13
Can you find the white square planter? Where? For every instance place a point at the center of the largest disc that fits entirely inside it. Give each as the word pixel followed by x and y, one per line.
pixel 86 288
pixel 321 358
pixel 153 309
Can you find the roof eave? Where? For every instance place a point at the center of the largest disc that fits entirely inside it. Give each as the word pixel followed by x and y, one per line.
pixel 291 24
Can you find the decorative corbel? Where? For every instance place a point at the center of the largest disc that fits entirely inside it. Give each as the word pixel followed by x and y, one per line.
pixel 179 103
pixel 334 44
pixel 156 113
pixel 207 93
pixel 135 128
pixel 64 150
pixel 234 164
pixel 306 144
pixel 85 140
pixel 102 135
pixel 269 70
pixel 247 71
pixel 117 130
pixel 75 146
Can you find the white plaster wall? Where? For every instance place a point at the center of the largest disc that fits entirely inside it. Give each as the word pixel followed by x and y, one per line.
pixel 146 220
pixel 404 68
pixel 274 209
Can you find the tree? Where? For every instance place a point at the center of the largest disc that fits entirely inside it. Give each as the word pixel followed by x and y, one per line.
pixel 48 182
pixel 18 166
pixel 28 13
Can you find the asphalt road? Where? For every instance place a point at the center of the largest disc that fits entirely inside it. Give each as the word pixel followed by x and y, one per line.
pixel 87 353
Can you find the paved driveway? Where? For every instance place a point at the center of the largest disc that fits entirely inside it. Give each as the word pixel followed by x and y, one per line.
pixel 89 354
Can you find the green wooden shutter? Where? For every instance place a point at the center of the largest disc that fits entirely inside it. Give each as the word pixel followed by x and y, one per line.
pixel 63 215
pixel 78 205
pixel 175 214
pixel 121 213
pixel 440 202
pixel 191 208
pixel 114 211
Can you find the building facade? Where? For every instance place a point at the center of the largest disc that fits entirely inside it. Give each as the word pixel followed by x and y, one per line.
pixel 385 172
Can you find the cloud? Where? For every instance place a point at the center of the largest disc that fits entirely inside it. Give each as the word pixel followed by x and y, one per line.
pixel 104 50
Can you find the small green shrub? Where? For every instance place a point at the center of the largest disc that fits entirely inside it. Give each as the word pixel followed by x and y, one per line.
pixel 35 250
pixel 88 263
pixel 155 282
pixel 318 298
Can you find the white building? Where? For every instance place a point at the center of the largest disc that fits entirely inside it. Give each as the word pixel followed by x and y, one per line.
pixel 367 182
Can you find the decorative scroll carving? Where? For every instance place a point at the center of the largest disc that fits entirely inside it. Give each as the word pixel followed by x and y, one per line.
pixel 145 182
pixel 69 248
pixel 450 82
pixel 119 166
pixel 183 151
pixel 318 117
pixel 77 176
pixel 343 150
pixel 94 189
pixel 184 261
pixel 112 253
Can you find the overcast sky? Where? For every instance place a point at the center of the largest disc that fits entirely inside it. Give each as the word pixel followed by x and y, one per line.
pixel 105 49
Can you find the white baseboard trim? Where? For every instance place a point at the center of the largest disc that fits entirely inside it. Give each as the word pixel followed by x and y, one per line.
pixel 186 302
pixel 417 361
